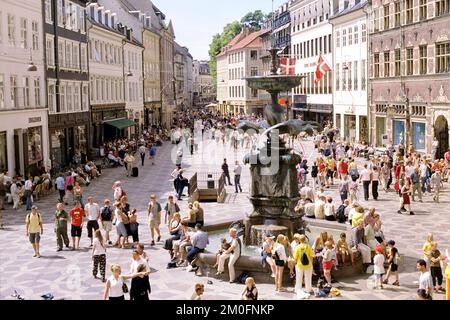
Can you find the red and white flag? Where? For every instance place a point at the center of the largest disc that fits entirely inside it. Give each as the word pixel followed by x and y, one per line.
pixel 287 66
pixel 322 69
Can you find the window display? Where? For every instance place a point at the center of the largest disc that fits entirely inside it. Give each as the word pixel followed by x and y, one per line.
pixel 34 145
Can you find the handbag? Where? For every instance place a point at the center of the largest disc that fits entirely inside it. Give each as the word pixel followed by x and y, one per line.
pixel 124 288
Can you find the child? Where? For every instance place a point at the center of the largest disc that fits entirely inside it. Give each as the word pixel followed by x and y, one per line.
pixel 393 259
pixel 344 250
pixel 99 255
pixel 427 248
pixel 224 246
pixel 327 262
pixel 435 267
pixel 378 265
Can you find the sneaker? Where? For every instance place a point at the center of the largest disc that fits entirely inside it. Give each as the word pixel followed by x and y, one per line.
pixel 190 268
pixel 59 249
pixel 38 255
pixel 35 255
pixel 399 212
pixel 411 213
pixel 153 243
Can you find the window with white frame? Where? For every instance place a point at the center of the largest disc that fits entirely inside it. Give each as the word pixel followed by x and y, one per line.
pixel 23 33
pixel 355 34
pixel 60 11
pixel 76 55
pixel 338 39
pixel 67 14
pixel 84 97
pixel 68 54
pixel 51 96
pixel 81 22
pixel 2 91
pixel 13 93
pixel 26 91
pixel 363 75
pixel 37 92
pixel 48 11
pixel 344 37
pixel 74 17
pixel 363 33
pixel 62 97
pixel 350 36
pixel 61 60
pixel 35 35
pixel 1 27
pixel 355 78
pixel 69 97
pixel 98 93
pixel 11 30
pixel 83 57
pixel 50 51
pixel 76 97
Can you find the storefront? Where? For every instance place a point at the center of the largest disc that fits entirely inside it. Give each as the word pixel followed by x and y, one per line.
pixel 3 152
pixel 399 131
pixel 68 135
pixel 349 128
pixel 380 130
pixel 418 132
pixel 152 113
pixel 108 123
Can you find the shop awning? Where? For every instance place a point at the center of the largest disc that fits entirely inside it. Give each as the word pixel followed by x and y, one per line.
pixel 120 123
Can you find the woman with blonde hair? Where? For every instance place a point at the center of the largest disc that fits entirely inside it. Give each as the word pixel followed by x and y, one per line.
pixel 175 233
pixel 99 255
pixel 250 292
pixel 115 285
pixel 303 255
pixel 279 253
pixel 199 213
pixel 191 217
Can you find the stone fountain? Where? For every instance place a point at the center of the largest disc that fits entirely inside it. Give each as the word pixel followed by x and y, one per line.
pixel 274 190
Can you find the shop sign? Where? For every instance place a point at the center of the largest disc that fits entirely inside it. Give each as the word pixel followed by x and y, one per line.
pixel 34 119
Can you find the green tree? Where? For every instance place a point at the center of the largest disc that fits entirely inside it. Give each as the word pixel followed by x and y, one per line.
pixel 254 19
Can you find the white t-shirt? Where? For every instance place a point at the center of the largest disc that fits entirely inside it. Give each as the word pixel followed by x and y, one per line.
pixel 409 171
pixel 378 264
pixel 279 249
pixel 329 209
pixel 115 290
pixel 365 175
pixel 425 281
pixel 309 209
pixel 92 211
pixel 98 248
pixel 135 264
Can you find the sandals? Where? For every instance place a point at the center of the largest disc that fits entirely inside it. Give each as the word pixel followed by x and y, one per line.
pixel 396 283
pixel 385 282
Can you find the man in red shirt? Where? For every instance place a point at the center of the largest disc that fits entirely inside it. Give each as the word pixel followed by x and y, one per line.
pixel 77 214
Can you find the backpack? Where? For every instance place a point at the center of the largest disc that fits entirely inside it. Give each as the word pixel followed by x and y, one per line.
pixel 326 152
pixel 106 213
pixel 242 277
pixel 304 259
pixel 340 214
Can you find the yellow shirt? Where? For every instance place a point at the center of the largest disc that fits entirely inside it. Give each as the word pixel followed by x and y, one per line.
pixel 357 217
pixel 299 250
pixel 427 249
pixel 35 222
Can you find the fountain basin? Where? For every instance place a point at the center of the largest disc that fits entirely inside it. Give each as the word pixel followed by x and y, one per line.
pixel 274 83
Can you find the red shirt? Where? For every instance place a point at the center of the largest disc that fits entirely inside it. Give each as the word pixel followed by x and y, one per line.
pixel 321 167
pixel 343 167
pixel 77 216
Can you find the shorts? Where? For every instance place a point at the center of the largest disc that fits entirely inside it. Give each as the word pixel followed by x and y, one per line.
pixel 75 231
pixel 327 265
pixel 107 225
pixel 35 237
pixel 154 223
pixel 394 267
pixel 379 275
pixel 279 263
pixel 92 224
pixel 330 173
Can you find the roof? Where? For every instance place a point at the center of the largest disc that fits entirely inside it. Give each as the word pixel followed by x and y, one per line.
pixel 253 40
pixel 349 9
pixel 95 23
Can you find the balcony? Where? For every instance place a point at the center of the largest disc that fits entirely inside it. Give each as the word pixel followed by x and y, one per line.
pixel 281 20
pixel 282 42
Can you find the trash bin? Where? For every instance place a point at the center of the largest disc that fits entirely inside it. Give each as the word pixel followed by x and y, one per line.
pixel 210 181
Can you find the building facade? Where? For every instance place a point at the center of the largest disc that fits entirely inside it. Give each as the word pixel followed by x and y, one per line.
pixel 409 73
pixel 168 81
pixel 204 89
pixel 239 59
pixel 179 72
pixel 350 106
pixel 311 35
pixel 66 52
pixel 24 144
pixel 189 77
pixel 281 29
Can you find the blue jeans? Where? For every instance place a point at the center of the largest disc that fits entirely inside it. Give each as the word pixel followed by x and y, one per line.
pixel 193 251
pixel 28 194
pixel 425 184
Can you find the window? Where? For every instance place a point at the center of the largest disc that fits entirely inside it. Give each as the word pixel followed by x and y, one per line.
pixel 67 16
pixel 37 92
pixel 355 33
pixel 254 93
pixel 376 20
pixel 423 10
pixel 23 33
pixel 83 57
pixel 423 59
pixel 74 17
pixel 254 55
pixel 51 98
pixel 75 55
pixel 61 61
pixel 1 27
pixel 409 11
pixel 254 71
pixel 397 13
pixel 35 35
pixel 443 57
pixel 350 36
pixel 409 61
pixel 76 97
pixel 344 37
pixel 386 17
pixel 13 84
pixel 329 43
pixel 81 20
pixel 397 62
pixel 60 11
pixel 349 79
pixel 68 55
pixel 48 11
pixel 338 70
pixel 442 7
pixel 62 97
pixel 376 65
pixel 363 33
pixel 84 97
pixel 316 47
pixel 50 52
pixel 2 91
pixel 26 91
pixel 387 70
pixel 355 80
pixel 11 30
pixel 320 44
pixel 69 98
pixel 363 75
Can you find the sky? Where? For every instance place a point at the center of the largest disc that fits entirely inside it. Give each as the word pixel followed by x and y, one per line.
pixel 196 21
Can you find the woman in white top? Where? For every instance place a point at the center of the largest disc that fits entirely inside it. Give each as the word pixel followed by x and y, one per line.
pixel 280 260
pixel 114 289
pixel 99 255
pixel 330 212
pixel 376 179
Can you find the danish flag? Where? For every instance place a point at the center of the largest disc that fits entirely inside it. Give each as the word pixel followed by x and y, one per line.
pixel 287 66
pixel 322 69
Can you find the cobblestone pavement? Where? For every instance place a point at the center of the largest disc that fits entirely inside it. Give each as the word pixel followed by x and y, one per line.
pixel 67 274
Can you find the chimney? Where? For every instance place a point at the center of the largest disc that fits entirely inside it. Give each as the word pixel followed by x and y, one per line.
pixel 128 33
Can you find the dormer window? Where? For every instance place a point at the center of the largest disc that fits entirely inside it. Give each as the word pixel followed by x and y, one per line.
pixel 100 16
pixel 106 19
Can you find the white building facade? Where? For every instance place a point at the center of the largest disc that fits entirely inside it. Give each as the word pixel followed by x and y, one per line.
pixel 311 35
pixel 350 110
pixel 24 142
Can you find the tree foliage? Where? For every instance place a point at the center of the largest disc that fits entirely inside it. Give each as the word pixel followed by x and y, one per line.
pixel 253 20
